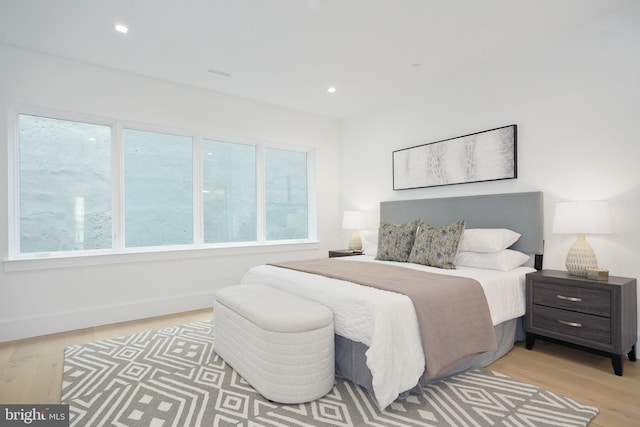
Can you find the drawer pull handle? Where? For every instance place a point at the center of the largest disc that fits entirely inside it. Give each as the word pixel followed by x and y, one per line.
pixel 574 299
pixel 572 324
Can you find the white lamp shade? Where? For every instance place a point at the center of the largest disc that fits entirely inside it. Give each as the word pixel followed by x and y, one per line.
pixel 353 220
pixel 584 217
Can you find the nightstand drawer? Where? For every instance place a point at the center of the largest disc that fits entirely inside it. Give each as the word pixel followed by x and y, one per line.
pixel 582 300
pixel 570 323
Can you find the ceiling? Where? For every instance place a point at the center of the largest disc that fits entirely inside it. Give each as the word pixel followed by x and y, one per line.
pixel 288 52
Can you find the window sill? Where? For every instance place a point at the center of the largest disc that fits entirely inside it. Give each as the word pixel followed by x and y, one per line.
pixel 70 260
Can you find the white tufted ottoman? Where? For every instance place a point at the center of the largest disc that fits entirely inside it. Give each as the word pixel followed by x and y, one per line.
pixel 283 345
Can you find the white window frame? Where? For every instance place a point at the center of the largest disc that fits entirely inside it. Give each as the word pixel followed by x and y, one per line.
pixel 311 195
pixel 121 213
pixel 118 253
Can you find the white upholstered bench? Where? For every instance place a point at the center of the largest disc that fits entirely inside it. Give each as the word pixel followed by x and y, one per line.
pixel 281 344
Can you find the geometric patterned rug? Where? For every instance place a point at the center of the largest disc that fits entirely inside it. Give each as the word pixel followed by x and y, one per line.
pixel 173 377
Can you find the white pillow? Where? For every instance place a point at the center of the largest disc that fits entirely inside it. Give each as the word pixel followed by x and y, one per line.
pixel 369 237
pixel 505 260
pixel 370 250
pixel 487 240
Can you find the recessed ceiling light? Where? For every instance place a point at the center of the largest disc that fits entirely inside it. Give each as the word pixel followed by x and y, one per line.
pixel 331 89
pixel 122 28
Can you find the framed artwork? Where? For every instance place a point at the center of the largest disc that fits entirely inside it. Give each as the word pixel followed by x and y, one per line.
pixel 483 156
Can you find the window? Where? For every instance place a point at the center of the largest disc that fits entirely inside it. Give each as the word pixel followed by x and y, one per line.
pixel 80 187
pixel 229 192
pixel 158 189
pixel 286 194
pixel 65 185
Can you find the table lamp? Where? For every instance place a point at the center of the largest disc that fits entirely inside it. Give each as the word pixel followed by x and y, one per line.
pixel 353 220
pixel 581 217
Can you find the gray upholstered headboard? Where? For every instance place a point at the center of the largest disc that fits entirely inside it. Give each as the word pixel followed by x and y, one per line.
pixel 521 212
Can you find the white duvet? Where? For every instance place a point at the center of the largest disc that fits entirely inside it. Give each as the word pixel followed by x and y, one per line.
pixel 386 321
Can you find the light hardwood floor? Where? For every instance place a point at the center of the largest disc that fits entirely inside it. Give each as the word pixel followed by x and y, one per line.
pixel 583 376
pixel 31 369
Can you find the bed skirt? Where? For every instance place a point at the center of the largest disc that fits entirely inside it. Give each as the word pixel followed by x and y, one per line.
pixel 351 359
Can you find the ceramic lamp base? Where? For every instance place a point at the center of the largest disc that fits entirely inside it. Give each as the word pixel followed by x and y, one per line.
pixel 355 243
pixel 581 257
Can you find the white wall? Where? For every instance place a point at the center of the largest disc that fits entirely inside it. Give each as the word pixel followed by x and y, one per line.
pixel 42 301
pixel 576 101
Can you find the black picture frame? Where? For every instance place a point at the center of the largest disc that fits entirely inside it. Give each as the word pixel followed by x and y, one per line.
pixel 489 155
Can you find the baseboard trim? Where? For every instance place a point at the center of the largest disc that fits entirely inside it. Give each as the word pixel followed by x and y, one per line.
pixel 50 323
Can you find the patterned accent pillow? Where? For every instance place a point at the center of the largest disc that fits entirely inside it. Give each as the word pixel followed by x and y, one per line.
pixel 395 241
pixel 437 246
pixel 420 251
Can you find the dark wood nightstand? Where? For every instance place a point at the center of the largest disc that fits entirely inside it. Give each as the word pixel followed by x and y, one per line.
pixel 599 316
pixel 343 252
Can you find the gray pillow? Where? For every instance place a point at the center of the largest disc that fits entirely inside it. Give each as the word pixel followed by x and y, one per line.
pixel 437 246
pixel 395 241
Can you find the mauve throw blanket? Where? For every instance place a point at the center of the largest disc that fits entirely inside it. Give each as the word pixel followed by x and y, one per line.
pixel 452 311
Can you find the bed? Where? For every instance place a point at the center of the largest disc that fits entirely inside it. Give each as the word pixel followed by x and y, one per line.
pixel 380 334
